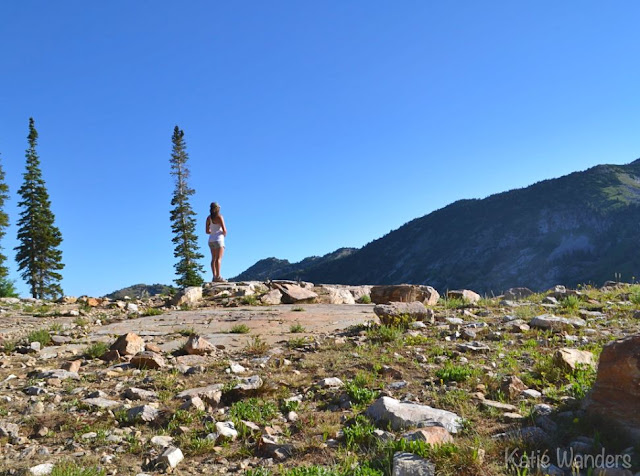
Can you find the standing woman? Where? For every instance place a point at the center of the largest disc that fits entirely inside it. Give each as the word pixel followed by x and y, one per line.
pixel 216 231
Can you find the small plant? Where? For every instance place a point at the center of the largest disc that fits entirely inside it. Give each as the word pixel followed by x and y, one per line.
pixel 96 350
pixel 360 434
pixel 296 328
pixel 69 468
pixel 298 342
pixel 382 334
pixel 40 335
pixel 55 327
pixel 366 299
pixel 8 346
pixel 454 303
pixel 255 410
pixel 571 303
pixel 250 300
pixel 256 346
pixel 358 394
pixel 152 311
pixel 289 406
pixel 81 321
pixel 240 329
pixel 298 309
pixel 187 331
pixel 453 373
pixel 416 340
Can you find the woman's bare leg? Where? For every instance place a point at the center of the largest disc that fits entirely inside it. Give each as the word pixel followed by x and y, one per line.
pixel 213 263
pixel 219 260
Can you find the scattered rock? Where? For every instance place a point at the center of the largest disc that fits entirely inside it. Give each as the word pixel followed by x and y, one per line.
pixel 331 382
pixel 41 469
pixel 197 345
pixel 432 435
pixel 147 360
pixel 271 298
pixel 570 359
pixel 464 294
pixel 415 311
pixel 100 402
pixel 294 294
pixel 171 457
pixel 404 293
pixel 555 323
pixel 128 344
pixel 516 294
pixel 400 415
pixel 140 394
pixel 190 296
pixel 144 413
pixel 409 464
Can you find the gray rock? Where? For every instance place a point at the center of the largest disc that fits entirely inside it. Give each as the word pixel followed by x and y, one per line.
pixel 417 311
pixel 162 441
pixel 100 402
pixel 249 383
pixel 555 323
pixel 197 345
pixel 272 298
pixel 9 429
pixel 401 415
pixel 226 429
pixel 211 393
pixel 189 296
pixel 464 294
pixel 134 393
pixel 35 390
pixel 293 294
pixel 330 382
pixel 404 293
pixel 408 464
pixel 515 294
pixel 145 413
pixel 59 374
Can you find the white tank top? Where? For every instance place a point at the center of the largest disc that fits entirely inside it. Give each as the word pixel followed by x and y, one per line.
pixel 216 232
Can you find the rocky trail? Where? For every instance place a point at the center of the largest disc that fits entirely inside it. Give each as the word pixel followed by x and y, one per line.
pixel 292 379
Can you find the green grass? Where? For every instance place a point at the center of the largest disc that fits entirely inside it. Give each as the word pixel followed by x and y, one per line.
pixel 298 309
pixel 296 328
pixel 360 394
pixel 69 468
pixel 55 327
pixel 187 331
pixel 240 329
pixel 298 342
pixel 9 346
pixel 366 299
pixel 255 410
pixel 383 334
pixel 152 311
pixel 40 335
pixel 256 346
pixel 250 300
pixel 454 373
pixel 96 350
pixel 571 303
pixel 360 434
pixel 81 321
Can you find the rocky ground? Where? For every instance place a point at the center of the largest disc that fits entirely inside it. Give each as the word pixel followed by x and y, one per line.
pixel 292 379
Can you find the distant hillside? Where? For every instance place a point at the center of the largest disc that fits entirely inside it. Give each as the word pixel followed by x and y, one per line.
pixel 273 268
pixel 138 291
pixel 580 228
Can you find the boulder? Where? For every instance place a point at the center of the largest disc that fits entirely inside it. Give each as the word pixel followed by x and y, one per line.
pixel 616 392
pixel 197 345
pixel 555 323
pixel 272 298
pixel 409 464
pixel 416 311
pixel 404 293
pixel 171 457
pixel 515 294
pixel 570 359
pixel 128 344
pixel 294 294
pixel 400 415
pixel 512 386
pixel 59 374
pixel 189 296
pixel 144 413
pixel 464 294
pixel 339 296
pixel 147 360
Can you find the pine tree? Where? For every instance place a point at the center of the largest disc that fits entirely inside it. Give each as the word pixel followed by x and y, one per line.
pixel 38 255
pixel 6 286
pixel 183 223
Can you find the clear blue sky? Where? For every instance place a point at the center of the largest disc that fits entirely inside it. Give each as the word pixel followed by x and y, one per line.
pixel 315 125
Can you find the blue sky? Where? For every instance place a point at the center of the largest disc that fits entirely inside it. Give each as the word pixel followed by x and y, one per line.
pixel 315 125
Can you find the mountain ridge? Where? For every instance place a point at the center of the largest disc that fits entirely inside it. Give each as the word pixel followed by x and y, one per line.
pixel 575 229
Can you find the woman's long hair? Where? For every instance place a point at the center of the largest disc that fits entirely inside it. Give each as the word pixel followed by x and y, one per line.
pixel 214 211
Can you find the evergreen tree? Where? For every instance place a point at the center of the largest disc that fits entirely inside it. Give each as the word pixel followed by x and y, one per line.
pixel 38 255
pixel 183 222
pixel 6 286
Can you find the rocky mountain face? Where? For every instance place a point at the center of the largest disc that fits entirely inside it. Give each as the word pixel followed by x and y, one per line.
pixel 138 291
pixel 580 228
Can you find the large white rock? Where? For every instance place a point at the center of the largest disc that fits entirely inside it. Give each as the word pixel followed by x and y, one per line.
pixel 408 464
pixel 41 469
pixel 401 415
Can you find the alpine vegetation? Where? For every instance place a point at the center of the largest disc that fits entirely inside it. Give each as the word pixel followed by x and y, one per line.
pixel 183 223
pixel 38 255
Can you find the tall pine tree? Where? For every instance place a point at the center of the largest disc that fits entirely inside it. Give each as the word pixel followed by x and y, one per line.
pixel 38 256
pixel 183 222
pixel 6 286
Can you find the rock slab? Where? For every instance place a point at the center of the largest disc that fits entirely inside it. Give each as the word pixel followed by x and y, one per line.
pixel 408 464
pixel 404 293
pixel 401 415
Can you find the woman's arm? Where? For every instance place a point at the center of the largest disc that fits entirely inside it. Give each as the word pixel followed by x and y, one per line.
pixel 224 228
pixel 208 226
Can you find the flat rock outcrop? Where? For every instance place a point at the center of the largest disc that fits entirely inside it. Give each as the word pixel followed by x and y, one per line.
pixel 400 415
pixel 404 293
